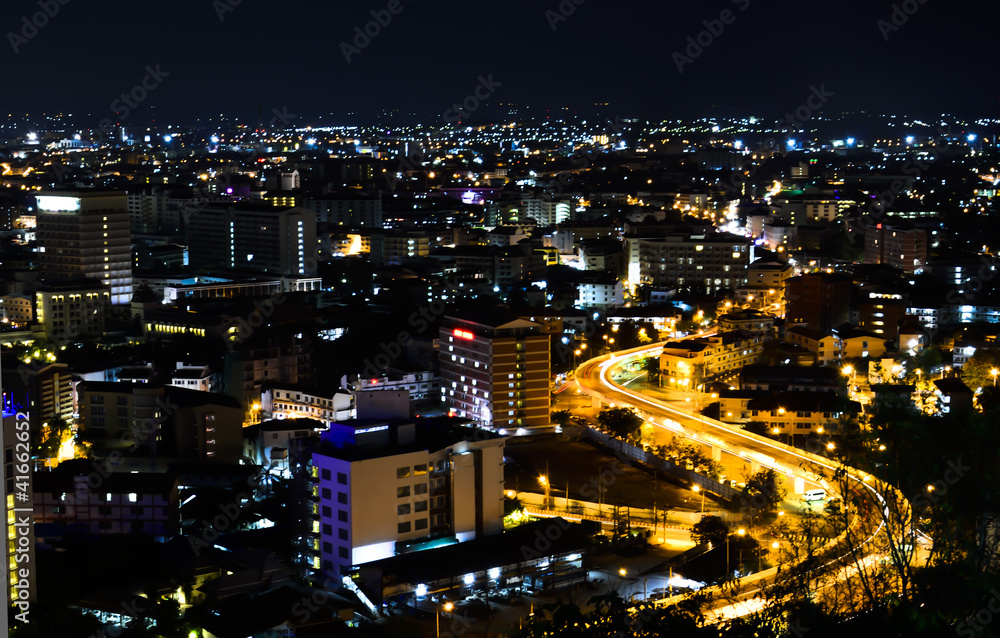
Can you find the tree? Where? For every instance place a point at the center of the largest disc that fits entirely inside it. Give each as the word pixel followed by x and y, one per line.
pixel 53 436
pixel 763 491
pixel 977 371
pixel 710 529
pixel 652 367
pixel 561 417
pixel 757 427
pixel 622 423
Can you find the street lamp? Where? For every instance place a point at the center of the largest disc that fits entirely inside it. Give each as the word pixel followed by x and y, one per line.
pixel 544 480
pixel 447 607
pixel 697 488
pixel 994 372
pixel 740 532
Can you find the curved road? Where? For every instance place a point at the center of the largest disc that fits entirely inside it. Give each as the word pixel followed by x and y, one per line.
pixel 594 377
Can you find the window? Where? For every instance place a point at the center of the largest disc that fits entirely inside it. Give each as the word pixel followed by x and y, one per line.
pixel 403 510
pixel 325 473
pixel 327 511
pixel 419 470
pixel 402 472
pixel 342 497
pixel 327 548
pixel 402 492
pixel 420 506
pixel 342 533
pixel 341 478
pixel 420 488
pixel 421 523
pixel 403 528
pixel 327 494
pixel 342 516
pixel 343 552
pixel 327 529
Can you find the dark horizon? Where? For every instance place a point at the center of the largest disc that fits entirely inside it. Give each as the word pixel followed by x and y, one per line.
pixel 227 56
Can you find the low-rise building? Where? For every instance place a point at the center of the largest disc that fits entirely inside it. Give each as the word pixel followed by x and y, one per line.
pixel 72 310
pixel 688 364
pixel 794 414
pixel 292 401
pixel 826 347
pixel 66 501
pixel 421 385
pixel 953 396
pixel 751 322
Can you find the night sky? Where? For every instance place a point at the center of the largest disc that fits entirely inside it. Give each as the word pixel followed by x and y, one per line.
pixel 287 55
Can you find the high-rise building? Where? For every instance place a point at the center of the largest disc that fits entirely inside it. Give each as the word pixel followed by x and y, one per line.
pixel 351 211
pixel 899 245
pixel 821 301
pixel 712 262
pixel 254 237
pixel 495 368
pixel 86 233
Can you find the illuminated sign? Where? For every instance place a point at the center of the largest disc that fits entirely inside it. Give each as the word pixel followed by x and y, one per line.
pixel 52 204
pixel 377 428
pixel 463 334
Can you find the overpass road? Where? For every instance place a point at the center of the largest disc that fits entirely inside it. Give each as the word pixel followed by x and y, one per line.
pixel 595 377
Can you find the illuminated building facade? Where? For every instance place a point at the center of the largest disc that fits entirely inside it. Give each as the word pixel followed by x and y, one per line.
pixel 254 237
pixel 713 262
pixel 495 369
pixel 686 365
pixel 902 246
pixel 383 487
pixel 72 310
pixel 86 234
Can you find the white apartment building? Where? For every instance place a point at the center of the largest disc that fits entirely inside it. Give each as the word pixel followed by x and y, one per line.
pixel 378 484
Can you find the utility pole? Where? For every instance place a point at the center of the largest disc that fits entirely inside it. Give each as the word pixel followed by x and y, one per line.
pixel 548 484
pixel 656 488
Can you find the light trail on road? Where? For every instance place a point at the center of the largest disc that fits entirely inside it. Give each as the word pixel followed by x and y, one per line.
pixel 594 377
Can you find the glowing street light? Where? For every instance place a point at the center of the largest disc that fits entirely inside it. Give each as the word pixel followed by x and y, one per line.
pixel 994 372
pixel 447 607
pixel 697 488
